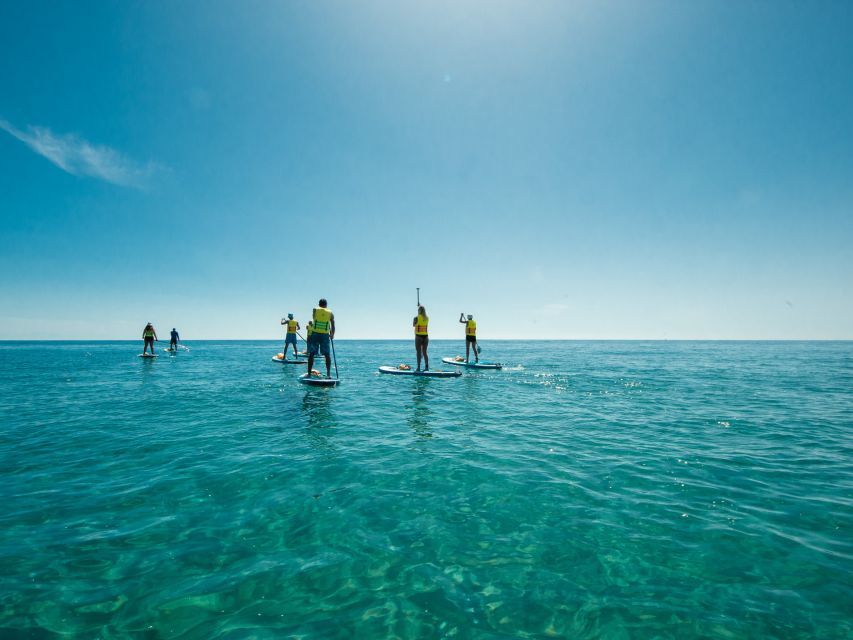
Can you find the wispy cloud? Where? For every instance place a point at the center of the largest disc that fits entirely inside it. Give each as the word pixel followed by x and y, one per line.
pixel 81 158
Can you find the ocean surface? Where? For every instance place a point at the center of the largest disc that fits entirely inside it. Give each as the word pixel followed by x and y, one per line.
pixel 623 490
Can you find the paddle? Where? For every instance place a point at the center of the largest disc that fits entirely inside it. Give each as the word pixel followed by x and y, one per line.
pixel 306 342
pixel 335 358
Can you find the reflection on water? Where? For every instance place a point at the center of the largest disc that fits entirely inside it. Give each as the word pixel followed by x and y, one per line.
pixel 316 407
pixel 421 414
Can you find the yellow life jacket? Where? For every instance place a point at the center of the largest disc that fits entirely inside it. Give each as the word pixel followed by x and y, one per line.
pixel 148 333
pixel 309 329
pixel 322 320
pixel 471 328
pixel 421 326
pixel 291 326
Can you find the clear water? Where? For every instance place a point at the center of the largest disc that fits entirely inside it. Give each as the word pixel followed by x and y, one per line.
pixel 589 490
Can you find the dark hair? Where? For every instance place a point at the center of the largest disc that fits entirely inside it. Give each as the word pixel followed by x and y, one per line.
pixel 323 302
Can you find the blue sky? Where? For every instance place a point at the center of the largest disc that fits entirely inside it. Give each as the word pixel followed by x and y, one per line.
pixel 558 169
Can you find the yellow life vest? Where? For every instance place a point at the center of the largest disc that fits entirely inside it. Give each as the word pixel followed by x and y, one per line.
pixel 291 326
pixel 471 328
pixel 309 329
pixel 322 320
pixel 421 326
pixel 148 333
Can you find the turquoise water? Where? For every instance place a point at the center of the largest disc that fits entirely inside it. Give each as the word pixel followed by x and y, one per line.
pixel 588 490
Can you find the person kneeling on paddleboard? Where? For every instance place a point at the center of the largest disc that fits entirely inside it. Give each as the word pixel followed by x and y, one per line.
pixel 470 335
pixel 149 336
pixel 290 338
pixel 174 339
pixel 420 323
pixel 321 335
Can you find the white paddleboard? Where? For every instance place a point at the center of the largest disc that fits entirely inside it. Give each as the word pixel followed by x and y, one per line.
pixel 425 374
pixel 147 355
pixel 315 381
pixel 278 358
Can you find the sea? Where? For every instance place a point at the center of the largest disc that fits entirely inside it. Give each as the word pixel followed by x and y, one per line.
pixel 608 490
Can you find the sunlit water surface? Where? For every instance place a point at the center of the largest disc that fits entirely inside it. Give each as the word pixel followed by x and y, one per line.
pixel 588 490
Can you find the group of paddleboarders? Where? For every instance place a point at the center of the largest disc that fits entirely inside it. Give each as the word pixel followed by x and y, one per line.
pixel 421 324
pixel 149 336
pixel 320 332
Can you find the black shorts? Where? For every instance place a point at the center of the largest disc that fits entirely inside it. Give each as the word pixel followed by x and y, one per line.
pixel 470 338
pixel 421 341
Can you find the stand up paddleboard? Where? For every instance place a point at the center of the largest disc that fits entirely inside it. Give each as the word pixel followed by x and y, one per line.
pixel 472 365
pixel 315 381
pixel 147 355
pixel 282 360
pixel 413 372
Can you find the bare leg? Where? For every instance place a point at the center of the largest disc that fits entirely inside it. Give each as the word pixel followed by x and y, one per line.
pixel 310 363
pixel 426 357
pixel 418 351
pixel 467 348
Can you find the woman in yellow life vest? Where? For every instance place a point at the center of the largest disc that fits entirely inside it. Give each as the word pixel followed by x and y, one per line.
pixel 149 336
pixel 321 335
pixel 470 335
pixel 420 323
pixel 290 338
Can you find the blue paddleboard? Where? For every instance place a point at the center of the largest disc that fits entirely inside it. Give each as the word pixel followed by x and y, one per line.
pixel 473 365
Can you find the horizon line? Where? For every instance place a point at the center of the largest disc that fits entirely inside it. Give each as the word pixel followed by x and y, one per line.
pixel 2 340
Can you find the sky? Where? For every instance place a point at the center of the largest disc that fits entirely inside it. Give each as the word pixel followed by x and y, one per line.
pixel 560 170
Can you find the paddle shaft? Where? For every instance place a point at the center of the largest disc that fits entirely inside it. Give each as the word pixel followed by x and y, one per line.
pixel 335 358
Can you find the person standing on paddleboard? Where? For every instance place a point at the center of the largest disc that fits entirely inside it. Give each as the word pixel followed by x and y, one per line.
pixel 149 336
pixel 173 340
pixel 321 336
pixel 290 337
pixel 420 323
pixel 470 335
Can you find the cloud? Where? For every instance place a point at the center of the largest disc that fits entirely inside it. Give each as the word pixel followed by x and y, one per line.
pixel 81 158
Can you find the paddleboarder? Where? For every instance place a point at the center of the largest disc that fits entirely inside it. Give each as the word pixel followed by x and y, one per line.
pixel 173 340
pixel 470 335
pixel 149 335
pixel 420 323
pixel 320 337
pixel 290 337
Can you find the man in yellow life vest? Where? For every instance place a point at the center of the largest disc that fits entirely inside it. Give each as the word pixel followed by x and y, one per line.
pixel 470 335
pixel 321 336
pixel 421 323
pixel 290 338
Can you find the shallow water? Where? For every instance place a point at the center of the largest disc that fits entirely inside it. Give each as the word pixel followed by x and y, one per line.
pixel 588 490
